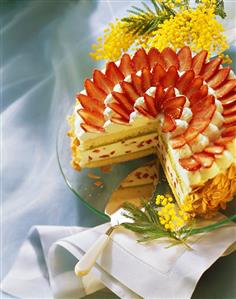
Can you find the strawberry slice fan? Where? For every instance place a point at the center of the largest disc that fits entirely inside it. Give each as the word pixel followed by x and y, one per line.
pixel 180 106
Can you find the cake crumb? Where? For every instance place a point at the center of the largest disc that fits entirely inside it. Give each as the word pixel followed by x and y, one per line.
pixel 98 184
pixel 93 176
pixel 106 169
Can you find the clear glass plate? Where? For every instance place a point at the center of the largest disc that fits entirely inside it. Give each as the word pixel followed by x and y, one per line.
pixel 94 197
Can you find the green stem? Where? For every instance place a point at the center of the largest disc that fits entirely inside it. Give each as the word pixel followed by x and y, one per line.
pixel 211 227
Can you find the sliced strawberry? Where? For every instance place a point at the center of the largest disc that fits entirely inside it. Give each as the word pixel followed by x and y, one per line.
pixel 150 103
pixel 214 149
pixel 183 82
pixel 129 90
pixel 230 131
pixel 229 100
pixel 219 78
pixel 119 110
pixel 203 104
pixel 90 103
pixel 190 163
pixel 91 117
pixel 93 91
pixel 159 96
pixel 230 119
pixel 204 159
pixel 199 122
pixel 226 88
pixel 178 141
pixel 194 86
pixel 185 59
pixel 137 83
pixel 170 93
pixel 224 140
pixel 201 94
pixel 154 57
pixel 229 110
pixel 157 74
pixel 146 79
pixel 102 81
pixel 126 65
pixel 140 59
pixel 119 120
pixel 199 61
pixel 91 129
pixel 169 124
pixel 113 73
pixel 142 111
pixel 122 99
pixel 170 78
pixel 210 68
pixel 170 58
pixel 174 102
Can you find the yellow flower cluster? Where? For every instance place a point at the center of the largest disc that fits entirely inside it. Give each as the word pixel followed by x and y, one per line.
pixel 170 216
pixel 214 194
pixel 115 41
pixel 195 27
pixel 173 3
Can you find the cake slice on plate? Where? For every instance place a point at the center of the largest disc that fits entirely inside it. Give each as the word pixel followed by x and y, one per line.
pixel 179 106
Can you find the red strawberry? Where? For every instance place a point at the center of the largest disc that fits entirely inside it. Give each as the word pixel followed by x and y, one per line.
pixel 199 61
pixel 93 91
pixel 229 110
pixel 170 58
pixel 190 163
pixel 230 131
pixel 219 78
pixel 137 83
pixel 201 94
pixel 210 68
pixel 185 59
pixel 183 82
pixel 229 100
pixel 224 140
pixel 154 57
pixel 170 78
pixel 169 124
pixel 91 129
pixel 150 103
pixel 142 111
pixel 119 120
pixel 146 79
pixel 126 65
pixel 129 90
pixel 214 149
pixel 102 81
pixel 226 88
pixel 204 159
pixel 91 117
pixel 230 119
pixel 159 96
pixel 119 110
pixel 170 93
pixel 113 73
pixel 122 100
pixel 157 74
pixel 194 86
pixel 90 103
pixel 140 59
pixel 174 102
pixel 203 105
pixel 199 122
pixel 178 141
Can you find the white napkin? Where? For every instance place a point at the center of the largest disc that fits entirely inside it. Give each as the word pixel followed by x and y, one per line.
pixel 45 264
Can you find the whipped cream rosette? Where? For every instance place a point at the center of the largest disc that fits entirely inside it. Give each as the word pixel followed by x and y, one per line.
pixel 180 106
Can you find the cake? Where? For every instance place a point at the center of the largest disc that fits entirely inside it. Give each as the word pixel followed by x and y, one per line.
pixel 180 106
pixel 138 186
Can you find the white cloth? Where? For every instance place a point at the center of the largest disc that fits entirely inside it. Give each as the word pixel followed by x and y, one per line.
pixel 129 269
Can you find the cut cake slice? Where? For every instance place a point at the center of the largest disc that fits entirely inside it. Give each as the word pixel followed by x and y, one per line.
pixel 181 107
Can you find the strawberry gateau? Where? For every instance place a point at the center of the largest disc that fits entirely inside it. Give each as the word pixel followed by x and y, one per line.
pixel 180 106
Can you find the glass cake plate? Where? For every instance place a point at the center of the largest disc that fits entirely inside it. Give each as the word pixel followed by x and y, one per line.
pixel 93 186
